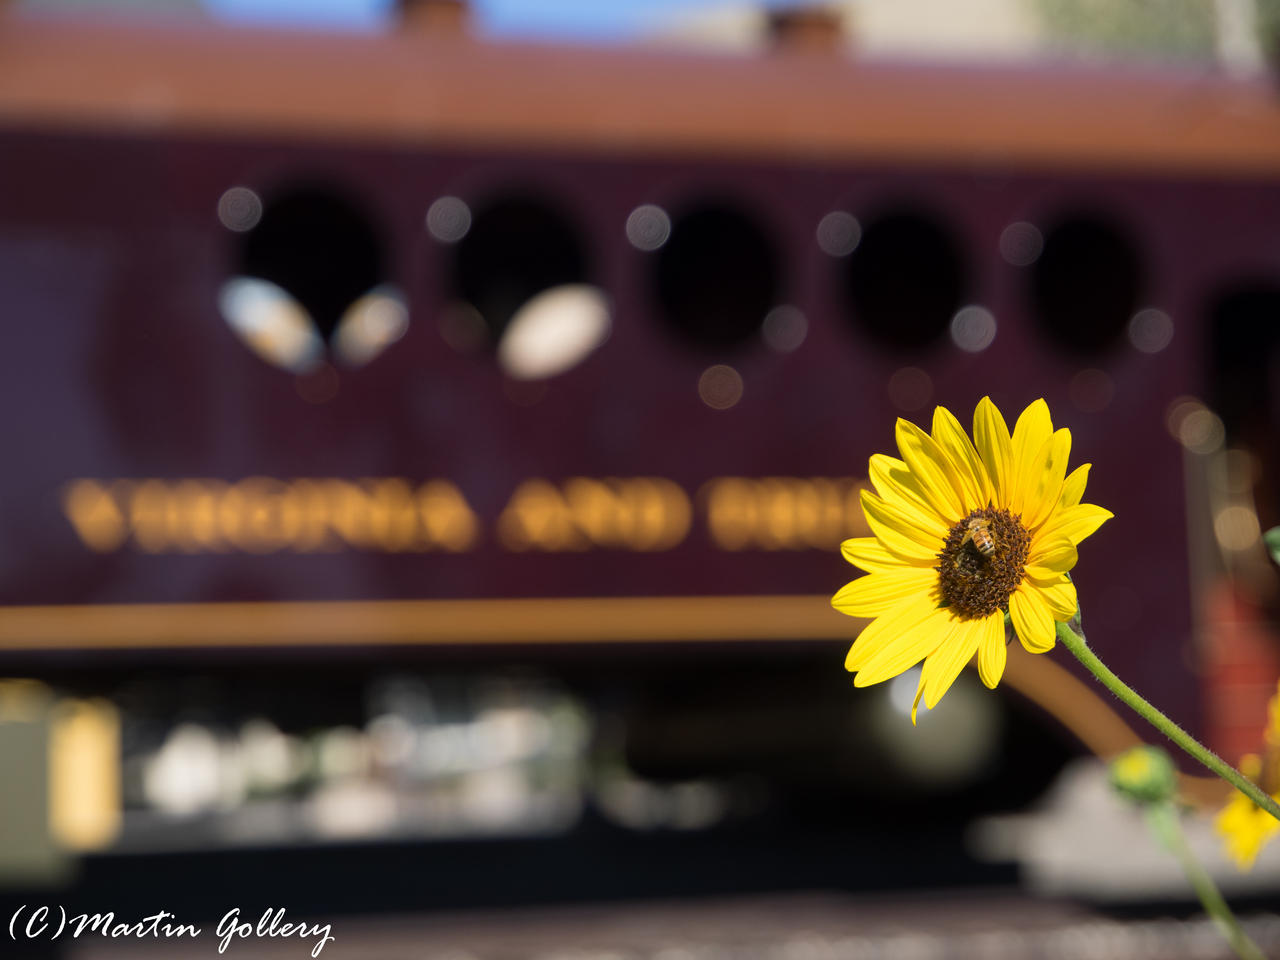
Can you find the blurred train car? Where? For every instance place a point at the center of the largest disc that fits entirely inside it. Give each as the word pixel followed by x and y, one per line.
pixel 396 385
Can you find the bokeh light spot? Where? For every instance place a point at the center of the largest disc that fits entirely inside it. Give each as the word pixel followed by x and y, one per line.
pixel 910 388
pixel 1091 390
pixel 1021 244
pixel 239 209
pixel 1151 330
pixel 784 328
pixel 839 233
pixel 448 219
pixel 720 387
pixel 973 328
pixel 648 227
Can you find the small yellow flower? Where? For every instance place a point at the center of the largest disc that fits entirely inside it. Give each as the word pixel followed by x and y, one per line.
pixel 964 535
pixel 1244 826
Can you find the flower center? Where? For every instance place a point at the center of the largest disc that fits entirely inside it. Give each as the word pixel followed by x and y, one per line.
pixel 981 562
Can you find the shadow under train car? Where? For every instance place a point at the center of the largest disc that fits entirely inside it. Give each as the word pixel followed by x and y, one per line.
pixel 449 781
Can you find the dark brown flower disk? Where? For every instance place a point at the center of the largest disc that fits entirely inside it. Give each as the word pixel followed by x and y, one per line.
pixel 975 586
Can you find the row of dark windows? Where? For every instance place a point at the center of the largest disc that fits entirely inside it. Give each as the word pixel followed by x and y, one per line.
pixel 717 275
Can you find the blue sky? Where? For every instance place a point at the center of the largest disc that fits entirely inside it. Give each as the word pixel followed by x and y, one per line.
pixel 588 20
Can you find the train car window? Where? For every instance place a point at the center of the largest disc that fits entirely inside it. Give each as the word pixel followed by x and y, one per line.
pixel 516 248
pixel 717 276
pixel 1244 337
pixel 1086 284
pixel 521 271
pixel 320 247
pixel 310 270
pixel 904 280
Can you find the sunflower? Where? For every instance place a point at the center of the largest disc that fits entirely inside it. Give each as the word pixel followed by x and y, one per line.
pixel 1244 826
pixel 963 535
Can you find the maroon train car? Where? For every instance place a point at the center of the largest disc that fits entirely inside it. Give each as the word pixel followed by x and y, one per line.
pixel 261 291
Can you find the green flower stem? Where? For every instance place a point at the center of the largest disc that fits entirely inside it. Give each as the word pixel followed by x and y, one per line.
pixel 1163 819
pixel 1076 644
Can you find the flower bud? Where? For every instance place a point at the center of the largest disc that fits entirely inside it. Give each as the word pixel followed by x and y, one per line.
pixel 1144 775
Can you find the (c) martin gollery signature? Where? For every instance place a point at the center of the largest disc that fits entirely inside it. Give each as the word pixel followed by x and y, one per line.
pixel 42 922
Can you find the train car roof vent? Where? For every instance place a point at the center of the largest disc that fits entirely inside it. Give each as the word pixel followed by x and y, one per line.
pixel 433 16
pixel 806 29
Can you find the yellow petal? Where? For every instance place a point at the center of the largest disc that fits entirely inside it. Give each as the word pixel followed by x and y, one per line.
pixel 915 704
pixel 1061 598
pixel 1032 621
pixel 869 554
pixel 1030 433
pixel 1050 557
pixel 896 484
pixel 1245 828
pixel 908 648
pixel 908 534
pixel 1075 522
pixel 882 632
pixel 930 465
pixel 950 436
pixel 992 650
pixel 991 437
pixel 878 593
pixel 1073 486
pixel 945 663
pixel 1043 487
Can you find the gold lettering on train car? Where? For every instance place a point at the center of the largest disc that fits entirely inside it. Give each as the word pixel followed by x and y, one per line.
pixel 344 510
pixel 393 516
pixel 95 515
pixel 264 515
pixel 446 517
pixel 633 513
pixel 148 514
pixel 538 518
pixel 259 515
pixel 313 498
pixel 782 513
pixel 664 513
pixel 196 503
pixel 614 513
